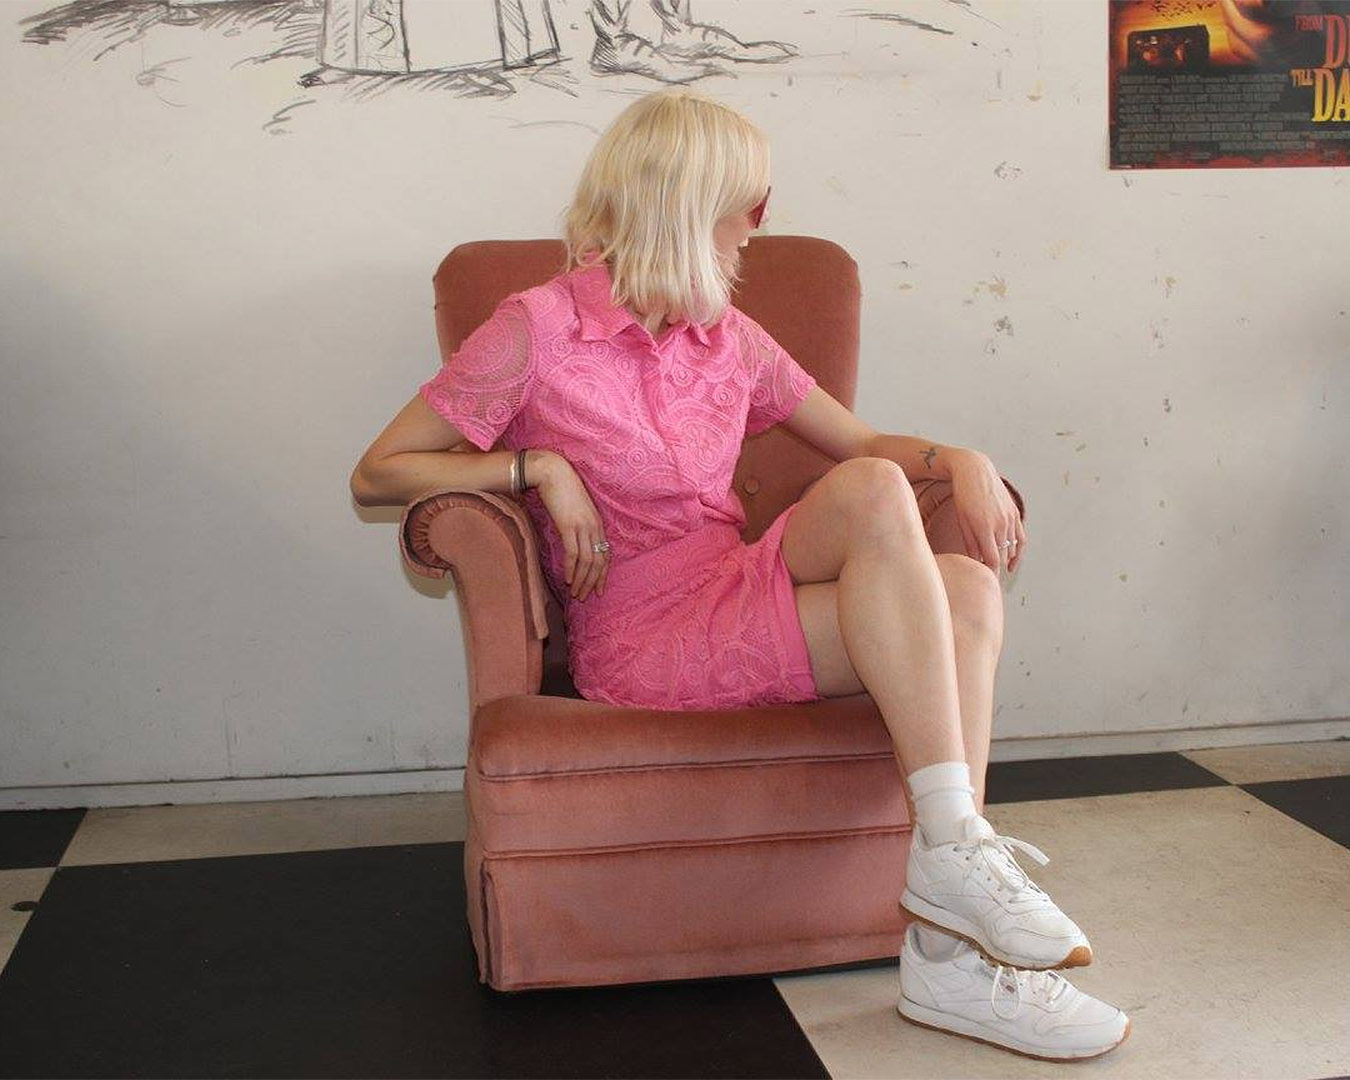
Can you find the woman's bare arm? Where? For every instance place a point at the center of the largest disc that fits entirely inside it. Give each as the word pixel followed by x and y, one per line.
pixel 836 431
pixel 420 451
pixel 986 513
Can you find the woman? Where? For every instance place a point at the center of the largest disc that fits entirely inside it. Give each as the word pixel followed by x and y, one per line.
pixel 623 389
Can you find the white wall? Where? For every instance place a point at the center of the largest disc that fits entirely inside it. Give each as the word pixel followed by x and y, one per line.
pixel 204 319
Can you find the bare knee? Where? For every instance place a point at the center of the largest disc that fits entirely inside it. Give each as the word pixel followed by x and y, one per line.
pixel 975 598
pixel 878 500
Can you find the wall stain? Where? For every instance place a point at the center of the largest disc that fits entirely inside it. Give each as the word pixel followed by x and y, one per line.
pixel 995 287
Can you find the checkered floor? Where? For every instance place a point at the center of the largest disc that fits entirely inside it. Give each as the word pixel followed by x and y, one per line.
pixel 328 938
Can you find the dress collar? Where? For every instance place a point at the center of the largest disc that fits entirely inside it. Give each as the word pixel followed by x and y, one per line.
pixel 601 318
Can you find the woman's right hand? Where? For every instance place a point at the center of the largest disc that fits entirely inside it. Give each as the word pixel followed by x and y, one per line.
pixel 578 522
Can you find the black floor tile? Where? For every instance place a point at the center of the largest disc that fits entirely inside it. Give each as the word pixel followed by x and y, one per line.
pixel 1322 803
pixel 341 963
pixel 1112 774
pixel 30 838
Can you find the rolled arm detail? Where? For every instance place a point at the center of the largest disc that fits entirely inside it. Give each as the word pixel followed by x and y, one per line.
pixel 487 543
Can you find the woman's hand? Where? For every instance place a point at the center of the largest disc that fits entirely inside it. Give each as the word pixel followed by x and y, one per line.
pixel 578 522
pixel 986 512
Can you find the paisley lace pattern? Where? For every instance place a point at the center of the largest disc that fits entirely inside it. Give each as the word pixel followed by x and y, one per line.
pixel 691 616
pixel 485 383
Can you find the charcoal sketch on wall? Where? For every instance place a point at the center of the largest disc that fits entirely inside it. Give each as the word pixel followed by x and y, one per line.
pixel 472 48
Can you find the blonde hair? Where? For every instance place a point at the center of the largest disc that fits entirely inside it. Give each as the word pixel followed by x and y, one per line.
pixel 668 168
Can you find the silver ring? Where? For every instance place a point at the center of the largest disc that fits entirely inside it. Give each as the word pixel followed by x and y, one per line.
pixel 1008 543
pixel 601 546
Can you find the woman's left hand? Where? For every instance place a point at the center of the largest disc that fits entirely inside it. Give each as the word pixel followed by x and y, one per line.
pixel 986 512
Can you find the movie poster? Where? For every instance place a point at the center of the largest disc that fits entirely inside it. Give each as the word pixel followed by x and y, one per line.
pixel 1229 83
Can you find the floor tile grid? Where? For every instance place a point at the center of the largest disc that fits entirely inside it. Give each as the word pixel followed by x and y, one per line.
pixel 1011 786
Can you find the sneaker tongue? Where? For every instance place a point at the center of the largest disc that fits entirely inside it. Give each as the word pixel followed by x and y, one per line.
pixel 976 826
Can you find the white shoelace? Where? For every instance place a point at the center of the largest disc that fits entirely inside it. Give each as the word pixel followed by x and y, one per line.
pixel 999 857
pixel 1049 986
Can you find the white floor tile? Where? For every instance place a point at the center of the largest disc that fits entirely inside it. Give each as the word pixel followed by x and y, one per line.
pixel 1218 924
pixel 150 833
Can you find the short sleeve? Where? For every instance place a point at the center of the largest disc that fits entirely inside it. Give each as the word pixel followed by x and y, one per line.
pixel 483 385
pixel 779 383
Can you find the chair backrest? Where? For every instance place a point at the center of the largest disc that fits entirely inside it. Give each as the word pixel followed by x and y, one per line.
pixel 803 290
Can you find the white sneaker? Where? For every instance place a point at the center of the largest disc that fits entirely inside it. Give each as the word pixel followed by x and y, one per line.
pixel 1036 1013
pixel 973 888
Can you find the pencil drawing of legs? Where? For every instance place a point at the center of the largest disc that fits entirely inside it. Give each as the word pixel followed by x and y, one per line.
pixel 471 48
pixel 676 49
pixel 619 51
pixel 372 37
pixel 682 37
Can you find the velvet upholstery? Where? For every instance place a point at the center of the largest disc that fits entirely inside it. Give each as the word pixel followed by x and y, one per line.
pixel 617 845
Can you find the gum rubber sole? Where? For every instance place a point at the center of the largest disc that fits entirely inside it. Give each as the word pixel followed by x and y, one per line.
pixel 1079 956
pixel 1023 1053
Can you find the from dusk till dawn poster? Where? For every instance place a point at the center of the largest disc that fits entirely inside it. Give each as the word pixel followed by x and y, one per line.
pixel 1229 83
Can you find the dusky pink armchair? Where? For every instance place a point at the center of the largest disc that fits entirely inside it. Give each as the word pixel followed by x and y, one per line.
pixel 620 845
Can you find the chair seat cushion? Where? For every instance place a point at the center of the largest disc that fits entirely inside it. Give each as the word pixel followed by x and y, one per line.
pixel 549 774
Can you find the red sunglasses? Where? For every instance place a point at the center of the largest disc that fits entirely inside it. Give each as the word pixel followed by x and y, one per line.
pixel 757 212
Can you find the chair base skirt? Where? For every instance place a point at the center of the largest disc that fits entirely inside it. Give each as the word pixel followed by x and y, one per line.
pixel 685 911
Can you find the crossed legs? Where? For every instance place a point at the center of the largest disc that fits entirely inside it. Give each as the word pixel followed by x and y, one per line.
pixel 888 605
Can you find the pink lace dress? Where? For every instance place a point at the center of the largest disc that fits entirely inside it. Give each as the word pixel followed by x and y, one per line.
pixel 691 617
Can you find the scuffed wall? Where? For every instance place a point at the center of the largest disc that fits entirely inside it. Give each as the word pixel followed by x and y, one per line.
pixel 215 290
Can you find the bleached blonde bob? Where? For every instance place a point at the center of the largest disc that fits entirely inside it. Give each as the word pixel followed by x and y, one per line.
pixel 663 174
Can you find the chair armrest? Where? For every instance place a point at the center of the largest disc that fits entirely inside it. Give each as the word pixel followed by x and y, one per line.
pixel 487 543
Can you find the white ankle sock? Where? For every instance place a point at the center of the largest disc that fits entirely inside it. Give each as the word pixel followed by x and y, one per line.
pixel 943 798
pixel 936 945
